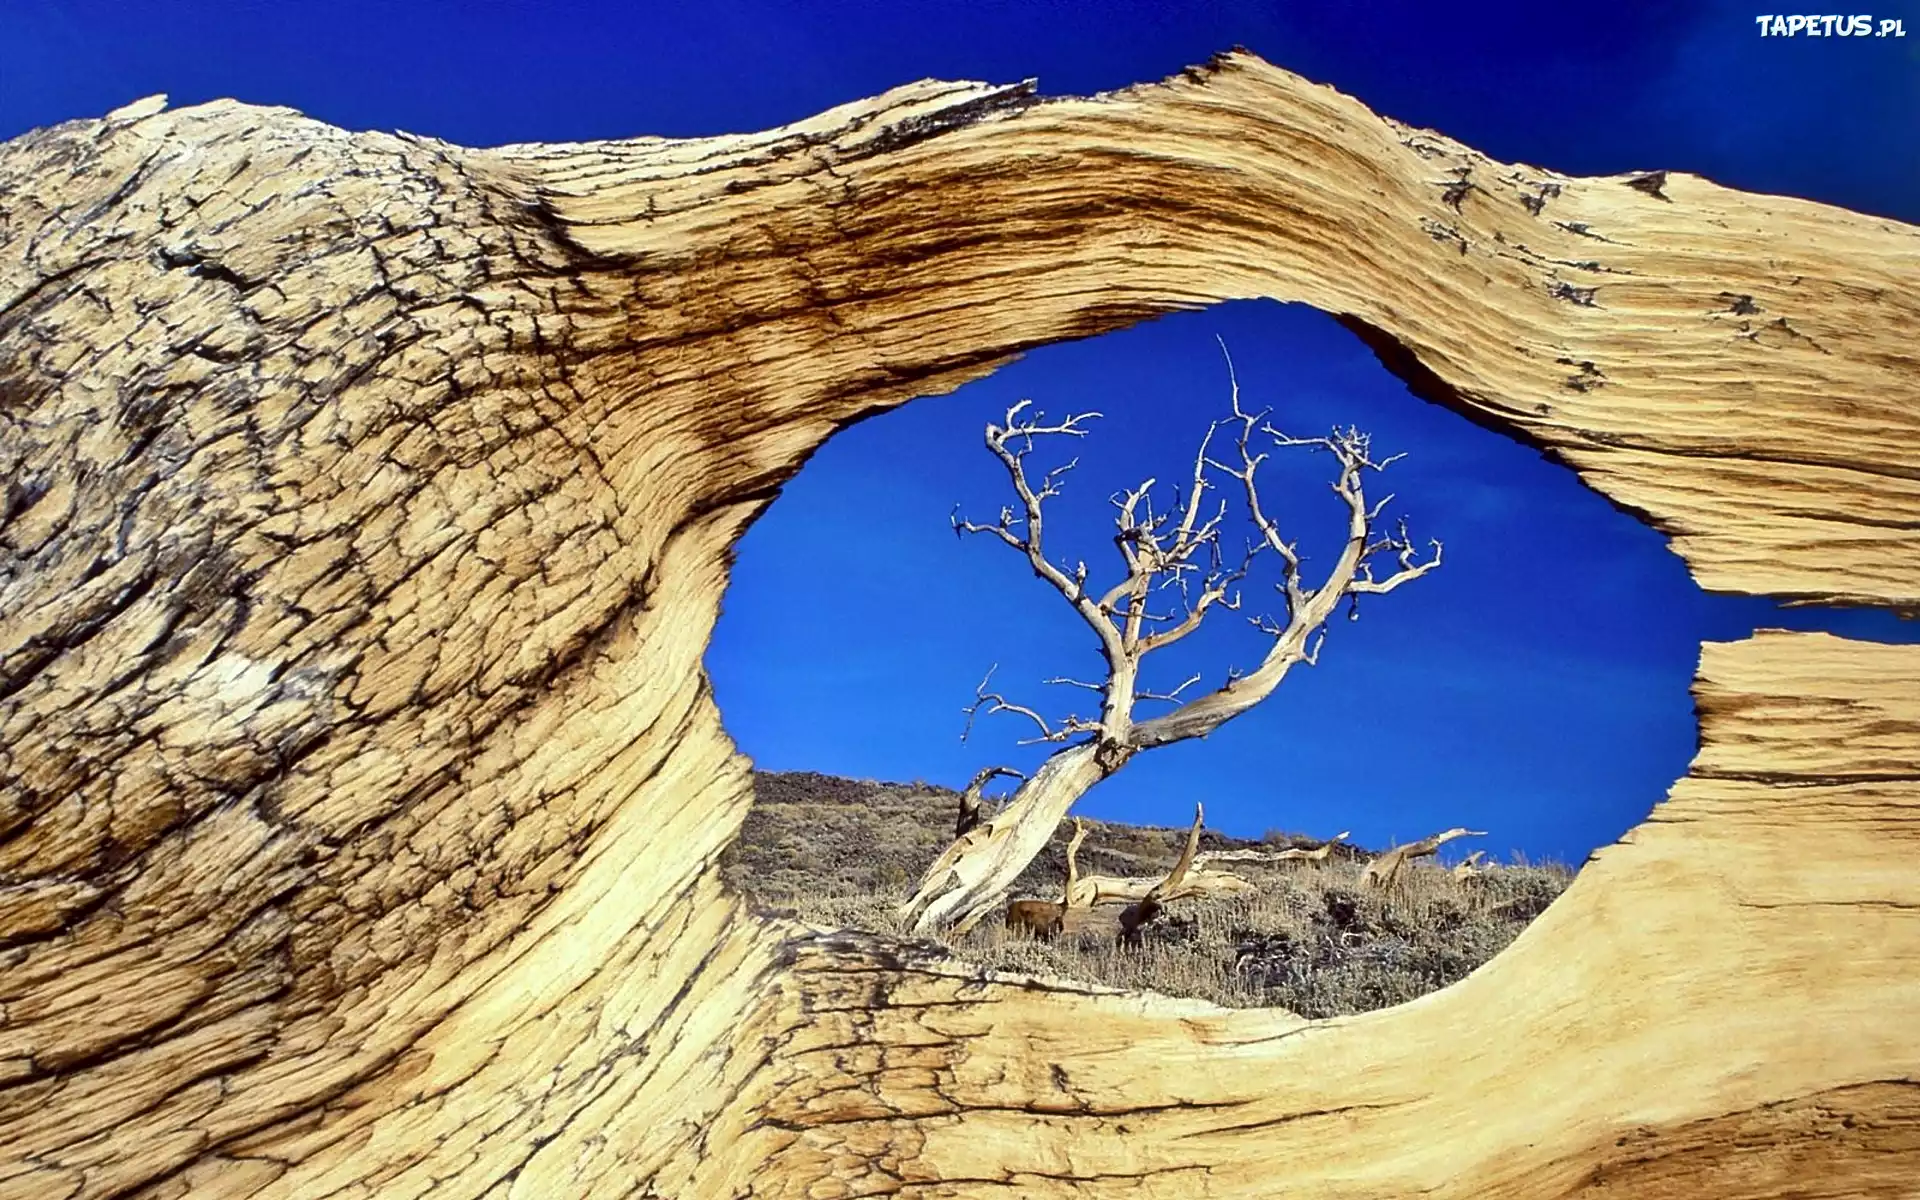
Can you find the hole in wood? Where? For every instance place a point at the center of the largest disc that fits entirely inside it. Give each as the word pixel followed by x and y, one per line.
pixel 1496 717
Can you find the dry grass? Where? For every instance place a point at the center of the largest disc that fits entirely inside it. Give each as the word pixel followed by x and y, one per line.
pixel 843 853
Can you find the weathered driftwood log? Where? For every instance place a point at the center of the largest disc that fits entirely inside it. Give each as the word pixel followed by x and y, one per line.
pixel 1200 881
pixel 367 504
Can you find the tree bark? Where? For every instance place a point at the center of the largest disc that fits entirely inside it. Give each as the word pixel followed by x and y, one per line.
pixel 973 874
pixel 367 504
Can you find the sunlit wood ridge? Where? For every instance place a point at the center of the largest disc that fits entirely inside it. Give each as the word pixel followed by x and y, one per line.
pixel 366 509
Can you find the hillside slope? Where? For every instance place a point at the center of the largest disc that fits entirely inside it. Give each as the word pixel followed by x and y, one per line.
pixel 843 852
pixel 808 831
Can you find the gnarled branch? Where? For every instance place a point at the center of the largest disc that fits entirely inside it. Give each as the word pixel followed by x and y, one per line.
pixel 1388 869
pixel 971 798
pixel 1297 639
pixel 1317 854
pixel 1173 887
pixel 995 702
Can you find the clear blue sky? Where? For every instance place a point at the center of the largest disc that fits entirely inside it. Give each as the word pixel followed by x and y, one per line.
pixel 1536 686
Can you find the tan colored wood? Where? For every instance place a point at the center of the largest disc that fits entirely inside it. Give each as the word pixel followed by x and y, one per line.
pixel 1143 898
pixel 1317 855
pixel 1390 868
pixel 367 507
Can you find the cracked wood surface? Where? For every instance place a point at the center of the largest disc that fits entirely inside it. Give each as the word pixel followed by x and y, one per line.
pixel 367 504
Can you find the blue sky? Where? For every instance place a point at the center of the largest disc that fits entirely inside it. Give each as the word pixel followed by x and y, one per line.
pixel 1536 686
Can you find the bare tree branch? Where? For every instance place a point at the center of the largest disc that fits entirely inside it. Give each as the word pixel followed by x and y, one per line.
pixel 994 702
pixel 1011 442
pixel 1317 854
pixel 1401 546
pixel 1073 896
pixel 1469 867
pixel 1301 636
pixel 1168 696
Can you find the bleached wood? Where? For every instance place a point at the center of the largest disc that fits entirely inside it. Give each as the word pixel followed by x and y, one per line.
pixel 1317 854
pixel 1074 911
pixel 1178 548
pixel 367 507
pixel 1200 881
pixel 1390 867
pixel 1173 887
pixel 973 797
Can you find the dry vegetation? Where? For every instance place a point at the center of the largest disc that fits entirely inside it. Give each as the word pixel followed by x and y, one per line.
pixel 1311 939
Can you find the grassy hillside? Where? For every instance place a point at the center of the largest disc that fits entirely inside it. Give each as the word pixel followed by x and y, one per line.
pixel 842 853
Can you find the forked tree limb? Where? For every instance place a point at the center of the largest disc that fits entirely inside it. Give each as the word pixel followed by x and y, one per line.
pixel 1307 609
pixel 972 797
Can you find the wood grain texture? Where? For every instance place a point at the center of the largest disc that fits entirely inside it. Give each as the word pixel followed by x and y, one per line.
pixel 368 501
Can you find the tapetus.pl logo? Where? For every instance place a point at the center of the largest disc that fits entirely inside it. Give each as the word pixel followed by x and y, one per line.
pixel 1859 25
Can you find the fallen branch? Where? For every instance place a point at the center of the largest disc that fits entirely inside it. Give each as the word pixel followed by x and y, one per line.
pixel 1469 867
pixel 1085 893
pixel 1387 870
pixel 1317 854
pixel 1175 886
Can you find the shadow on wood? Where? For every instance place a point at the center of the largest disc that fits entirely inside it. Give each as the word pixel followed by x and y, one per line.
pixel 367 504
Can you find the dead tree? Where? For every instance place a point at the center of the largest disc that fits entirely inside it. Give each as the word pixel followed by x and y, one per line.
pixel 970 799
pixel 1389 869
pixel 1469 867
pixel 1316 855
pixel 1175 551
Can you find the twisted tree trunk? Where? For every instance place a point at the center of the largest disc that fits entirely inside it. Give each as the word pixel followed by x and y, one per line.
pixel 367 503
